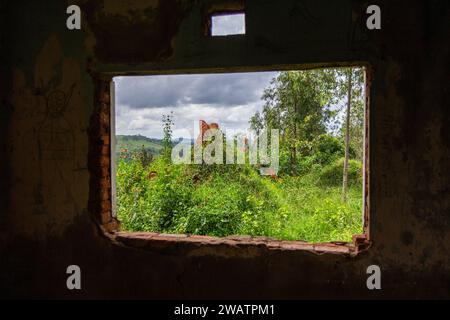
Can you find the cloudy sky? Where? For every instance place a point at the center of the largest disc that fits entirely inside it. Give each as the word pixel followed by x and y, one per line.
pixel 228 99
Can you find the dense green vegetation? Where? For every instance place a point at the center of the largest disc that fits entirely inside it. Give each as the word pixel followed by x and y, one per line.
pixel 305 201
pixel 225 200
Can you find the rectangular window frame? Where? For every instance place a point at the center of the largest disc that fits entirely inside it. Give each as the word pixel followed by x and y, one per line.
pixel 102 198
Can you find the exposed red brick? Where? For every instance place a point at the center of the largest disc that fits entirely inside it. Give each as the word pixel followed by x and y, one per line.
pixel 105 151
pixel 105 217
pixel 105 140
pixel 106 206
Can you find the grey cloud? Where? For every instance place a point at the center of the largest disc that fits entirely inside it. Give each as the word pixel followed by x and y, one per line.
pixel 178 90
pixel 229 99
pixel 148 121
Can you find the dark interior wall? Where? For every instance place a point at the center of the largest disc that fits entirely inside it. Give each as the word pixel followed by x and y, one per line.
pixel 44 219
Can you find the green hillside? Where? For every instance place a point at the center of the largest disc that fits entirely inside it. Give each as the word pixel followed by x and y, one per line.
pixel 135 142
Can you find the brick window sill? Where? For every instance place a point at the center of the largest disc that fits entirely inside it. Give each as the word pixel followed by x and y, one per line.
pixel 174 242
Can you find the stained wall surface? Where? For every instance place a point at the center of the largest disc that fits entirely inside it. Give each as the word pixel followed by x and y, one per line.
pixel 47 101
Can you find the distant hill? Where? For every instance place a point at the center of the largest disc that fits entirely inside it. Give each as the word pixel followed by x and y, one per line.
pixel 135 142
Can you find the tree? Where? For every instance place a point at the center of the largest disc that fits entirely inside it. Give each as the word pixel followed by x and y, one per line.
pixel 143 156
pixel 257 123
pixel 356 120
pixel 167 121
pixel 347 136
pixel 350 88
pixel 306 104
pixel 297 103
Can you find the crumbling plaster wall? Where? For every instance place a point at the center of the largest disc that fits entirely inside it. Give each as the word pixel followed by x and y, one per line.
pixel 47 97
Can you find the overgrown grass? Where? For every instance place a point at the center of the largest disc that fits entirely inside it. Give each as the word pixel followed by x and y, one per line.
pixel 235 200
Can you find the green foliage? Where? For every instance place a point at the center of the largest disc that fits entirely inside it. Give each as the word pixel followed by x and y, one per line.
pixel 305 106
pixel 332 174
pixel 318 214
pixel 219 203
pixel 325 149
pixel 321 151
pixel 133 209
pixel 303 203
pixel 143 156
pixel 225 200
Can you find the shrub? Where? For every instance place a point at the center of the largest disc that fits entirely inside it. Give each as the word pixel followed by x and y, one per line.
pixel 226 201
pixel 215 210
pixel 144 156
pixel 132 208
pixel 323 150
pixel 330 219
pixel 234 199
